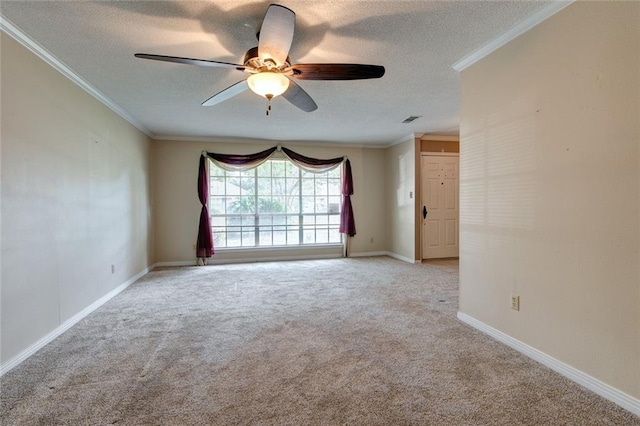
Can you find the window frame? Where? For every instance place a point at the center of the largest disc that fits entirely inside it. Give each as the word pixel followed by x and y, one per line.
pixel 332 211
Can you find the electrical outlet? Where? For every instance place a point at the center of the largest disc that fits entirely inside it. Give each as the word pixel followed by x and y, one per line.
pixel 515 302
pixel 194 246
pixel 113 269
pixel 371 240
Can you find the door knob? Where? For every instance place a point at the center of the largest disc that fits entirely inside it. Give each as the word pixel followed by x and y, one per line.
pixel 424 212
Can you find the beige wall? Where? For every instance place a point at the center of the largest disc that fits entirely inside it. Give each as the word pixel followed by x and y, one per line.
pixel 75 199
pixel 400 196
pixel 549 189
pixel 177 208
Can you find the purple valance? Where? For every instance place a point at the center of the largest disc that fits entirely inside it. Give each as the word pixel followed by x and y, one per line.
pixel 314 165
pixel 236 162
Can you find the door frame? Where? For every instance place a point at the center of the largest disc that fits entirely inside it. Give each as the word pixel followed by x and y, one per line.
pixel 419 206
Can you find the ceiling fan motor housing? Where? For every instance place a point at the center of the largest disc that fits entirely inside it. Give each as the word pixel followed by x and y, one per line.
pixel 252 60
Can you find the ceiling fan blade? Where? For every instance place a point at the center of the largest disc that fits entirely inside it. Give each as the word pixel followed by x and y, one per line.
pixel 190 61
pixel 298 97
pixel 276 34
pixel 227 93
pixel 336 71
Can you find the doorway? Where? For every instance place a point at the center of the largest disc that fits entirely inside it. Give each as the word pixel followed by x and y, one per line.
pixel 440 207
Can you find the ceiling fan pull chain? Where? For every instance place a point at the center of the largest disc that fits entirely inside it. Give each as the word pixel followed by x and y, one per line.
pixel 269 97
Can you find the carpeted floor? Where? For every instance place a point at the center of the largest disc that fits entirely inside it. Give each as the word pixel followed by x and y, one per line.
pixel 360 341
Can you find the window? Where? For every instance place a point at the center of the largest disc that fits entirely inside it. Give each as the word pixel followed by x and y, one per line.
pixel 275 204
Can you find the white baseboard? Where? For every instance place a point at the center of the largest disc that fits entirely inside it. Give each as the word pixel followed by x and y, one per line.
pixel 178 263
pixel 604 390
pixel 399 257
pixel 383 253
pixel 14 362
pixel 369 254
pixel 218 261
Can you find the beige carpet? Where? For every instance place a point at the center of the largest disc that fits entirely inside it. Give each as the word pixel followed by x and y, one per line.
pixel 361 341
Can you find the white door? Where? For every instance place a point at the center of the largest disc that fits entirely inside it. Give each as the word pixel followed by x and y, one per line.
pixel 439 206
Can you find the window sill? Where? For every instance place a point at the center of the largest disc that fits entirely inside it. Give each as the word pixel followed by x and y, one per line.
pixel 278 248
pixel 273 254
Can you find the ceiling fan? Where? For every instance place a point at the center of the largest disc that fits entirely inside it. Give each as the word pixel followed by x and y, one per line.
pixel 270 67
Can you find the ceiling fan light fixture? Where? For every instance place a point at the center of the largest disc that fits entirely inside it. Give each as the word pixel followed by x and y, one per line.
pixel 268 84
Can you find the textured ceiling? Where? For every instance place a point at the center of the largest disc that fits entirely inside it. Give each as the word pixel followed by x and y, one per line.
pixel 416 41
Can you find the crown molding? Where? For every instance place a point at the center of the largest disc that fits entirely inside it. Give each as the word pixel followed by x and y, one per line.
pixel 410 137
pixel 513 32
pixel 21 37
pixel 271 142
